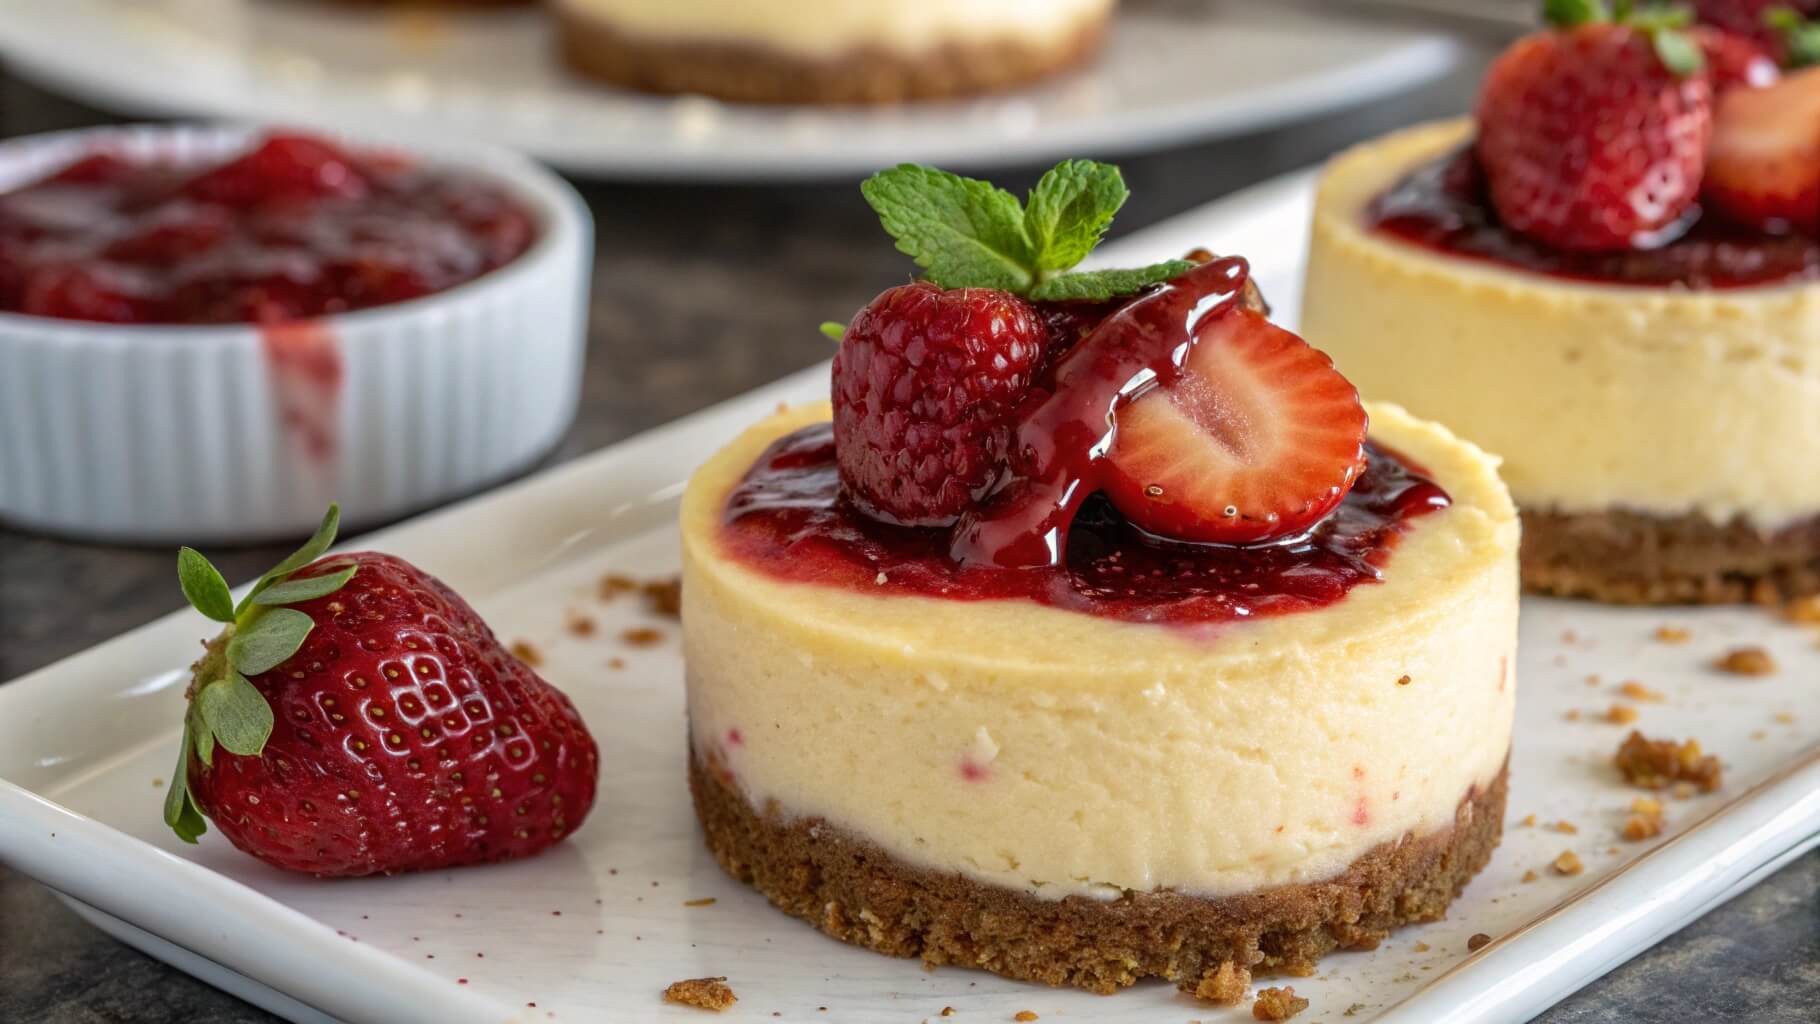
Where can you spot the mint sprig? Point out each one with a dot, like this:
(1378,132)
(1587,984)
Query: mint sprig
(966,233)
(1663,24)
(259,634)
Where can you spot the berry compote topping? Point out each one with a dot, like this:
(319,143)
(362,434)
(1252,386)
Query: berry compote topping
(293,229)
(1443,206)
(788,519)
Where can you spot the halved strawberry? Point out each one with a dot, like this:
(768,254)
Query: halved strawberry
(1258,437)
(1763,166)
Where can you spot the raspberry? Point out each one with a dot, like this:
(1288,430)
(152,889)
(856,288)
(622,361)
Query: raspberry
(925,384)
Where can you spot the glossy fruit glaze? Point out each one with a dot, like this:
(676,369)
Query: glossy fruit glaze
(1443,206)
(292,229)
(787,518)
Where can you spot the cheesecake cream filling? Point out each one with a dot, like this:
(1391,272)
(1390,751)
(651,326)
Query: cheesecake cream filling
(1060,754)
(835,28)
(1664,401)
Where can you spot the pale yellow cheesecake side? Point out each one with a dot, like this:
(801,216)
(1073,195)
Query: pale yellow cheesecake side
(1665,402)
(836,28)
(1110,757)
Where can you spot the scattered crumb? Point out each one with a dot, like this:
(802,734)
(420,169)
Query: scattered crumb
(1639,827)
(616,663)
(523,651)
(1224,985)
(947,1011)
(1621,714)
(1567,864)
(1402,680)
(1479,941)
(1568,636)
(158,783)
(1747,661)
(1646,805)
(1529,821)
(1566,828)
(613,584)
(1353,1009)
(1593,680)
(1572,715)
(1673,634)
(1637,691)
(705,993)
(642,636)
(1422,947)
(1764,593)
(1278,1004)
(664,596)
(1785,717)
(1530,876)
(1656,764)
(705,901)
(1684,790)
(581,625)
(1025,1015)
(1804,610)
(1758,735)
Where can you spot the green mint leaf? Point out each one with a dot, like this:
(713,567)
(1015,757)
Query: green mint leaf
(1568,13)
(180,811)
(203,586)
(1678,52)
(292,591)
(268,640)
(237,714)
(964,233)
(833,330)
(1099,285)
(312,549)
(1069,211)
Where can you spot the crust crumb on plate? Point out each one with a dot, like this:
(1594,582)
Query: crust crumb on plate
(1658,764)
(703,993)
(1224,985)
(1278,1004)
(1747,661)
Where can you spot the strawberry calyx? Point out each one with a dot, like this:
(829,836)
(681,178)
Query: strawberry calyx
(258,634)
(1664,26)
(1800,37)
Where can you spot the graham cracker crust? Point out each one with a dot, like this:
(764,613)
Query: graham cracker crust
(1623,557)
(756,74)
(858,893)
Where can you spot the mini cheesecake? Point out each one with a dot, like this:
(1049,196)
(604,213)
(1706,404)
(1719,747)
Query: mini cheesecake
(828,51)
(1657,410)
(1140,765)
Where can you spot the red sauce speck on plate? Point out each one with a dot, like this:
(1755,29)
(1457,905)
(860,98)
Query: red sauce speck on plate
(293,229)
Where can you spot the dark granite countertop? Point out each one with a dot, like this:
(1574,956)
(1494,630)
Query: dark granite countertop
(699,294)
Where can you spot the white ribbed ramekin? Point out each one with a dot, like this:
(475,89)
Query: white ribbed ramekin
(168,433)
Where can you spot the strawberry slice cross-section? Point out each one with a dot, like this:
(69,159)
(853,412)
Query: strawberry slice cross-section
(1257,437)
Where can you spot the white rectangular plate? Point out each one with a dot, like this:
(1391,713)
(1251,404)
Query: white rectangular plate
(596,928)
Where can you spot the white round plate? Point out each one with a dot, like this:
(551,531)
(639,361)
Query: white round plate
(1174,70)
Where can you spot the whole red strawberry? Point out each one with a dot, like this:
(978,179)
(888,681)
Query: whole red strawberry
(1593,137)
(925,382)
(1756,20)
(1735,60)
(1764,170)
(357,717)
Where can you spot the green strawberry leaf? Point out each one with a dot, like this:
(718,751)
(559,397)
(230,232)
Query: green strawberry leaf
(295,590)
(1800,37)
(963,232)
(1568,13)
(205,737)
(1678,52)
(268,640)
(833,330)
(203,586)
(1099,285)
(237,714)
(1069,211)
(312,549)
(180,811)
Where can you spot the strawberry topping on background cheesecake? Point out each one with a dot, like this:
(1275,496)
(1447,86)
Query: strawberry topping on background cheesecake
(1083,636)
(1610,277)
